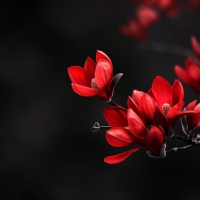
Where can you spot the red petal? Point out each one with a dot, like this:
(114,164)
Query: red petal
(162,91)
(159,119)
(84,91)
(197,107)
(187,113)
(134,107)
(103,73)
(191,117)
(147,106)
(76,75)
(192,70)
(136,125)
(101,55)
(155,140)
(175,110)
(191,105)
(119,137)
(150,92)
(120,157)
(165,4)
(195,46)
(89,70)
(136,96)
(196,120)
(134,30)
(146,17)
(177,92)
(182,75)
(116,116)
(163,132)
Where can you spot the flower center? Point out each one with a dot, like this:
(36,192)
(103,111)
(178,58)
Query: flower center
(165,108)
(94,85)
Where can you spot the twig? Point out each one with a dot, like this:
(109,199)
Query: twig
(175,149)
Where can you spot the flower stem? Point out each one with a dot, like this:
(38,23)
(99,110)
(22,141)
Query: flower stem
(112,103)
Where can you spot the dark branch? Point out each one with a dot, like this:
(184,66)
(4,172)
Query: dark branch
(175,149)
(97,127)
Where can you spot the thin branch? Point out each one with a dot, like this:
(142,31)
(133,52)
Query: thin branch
(112,103)
(175,149)
(181,138)
(97,127)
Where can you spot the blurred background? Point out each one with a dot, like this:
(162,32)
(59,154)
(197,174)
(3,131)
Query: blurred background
(47,149)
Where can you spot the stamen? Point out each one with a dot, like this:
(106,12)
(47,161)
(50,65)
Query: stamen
(165,108)
(94,85)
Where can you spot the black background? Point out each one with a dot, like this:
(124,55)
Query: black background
(47,149)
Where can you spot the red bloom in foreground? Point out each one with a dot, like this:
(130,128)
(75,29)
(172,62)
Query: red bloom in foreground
(195,46)
(128,129)
(190,75)
(138,29)
(94,78)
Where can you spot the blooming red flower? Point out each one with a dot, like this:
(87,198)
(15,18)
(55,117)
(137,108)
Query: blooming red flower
(196,47)
(169,101)
(127,129)
(94,78)
(190,75)
(138,29)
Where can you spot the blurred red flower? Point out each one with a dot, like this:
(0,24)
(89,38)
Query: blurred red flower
(138,29)
(170,7)
(190,75)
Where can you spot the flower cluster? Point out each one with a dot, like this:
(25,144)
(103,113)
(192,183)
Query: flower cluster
(149,12)
(149,116)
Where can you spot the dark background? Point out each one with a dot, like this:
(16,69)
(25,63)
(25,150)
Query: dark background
(47,149)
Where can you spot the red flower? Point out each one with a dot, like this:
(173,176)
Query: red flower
(169,100)
(191,74)
(129,128)
(196,47)
(193,121)
(138,29)
(94,78)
